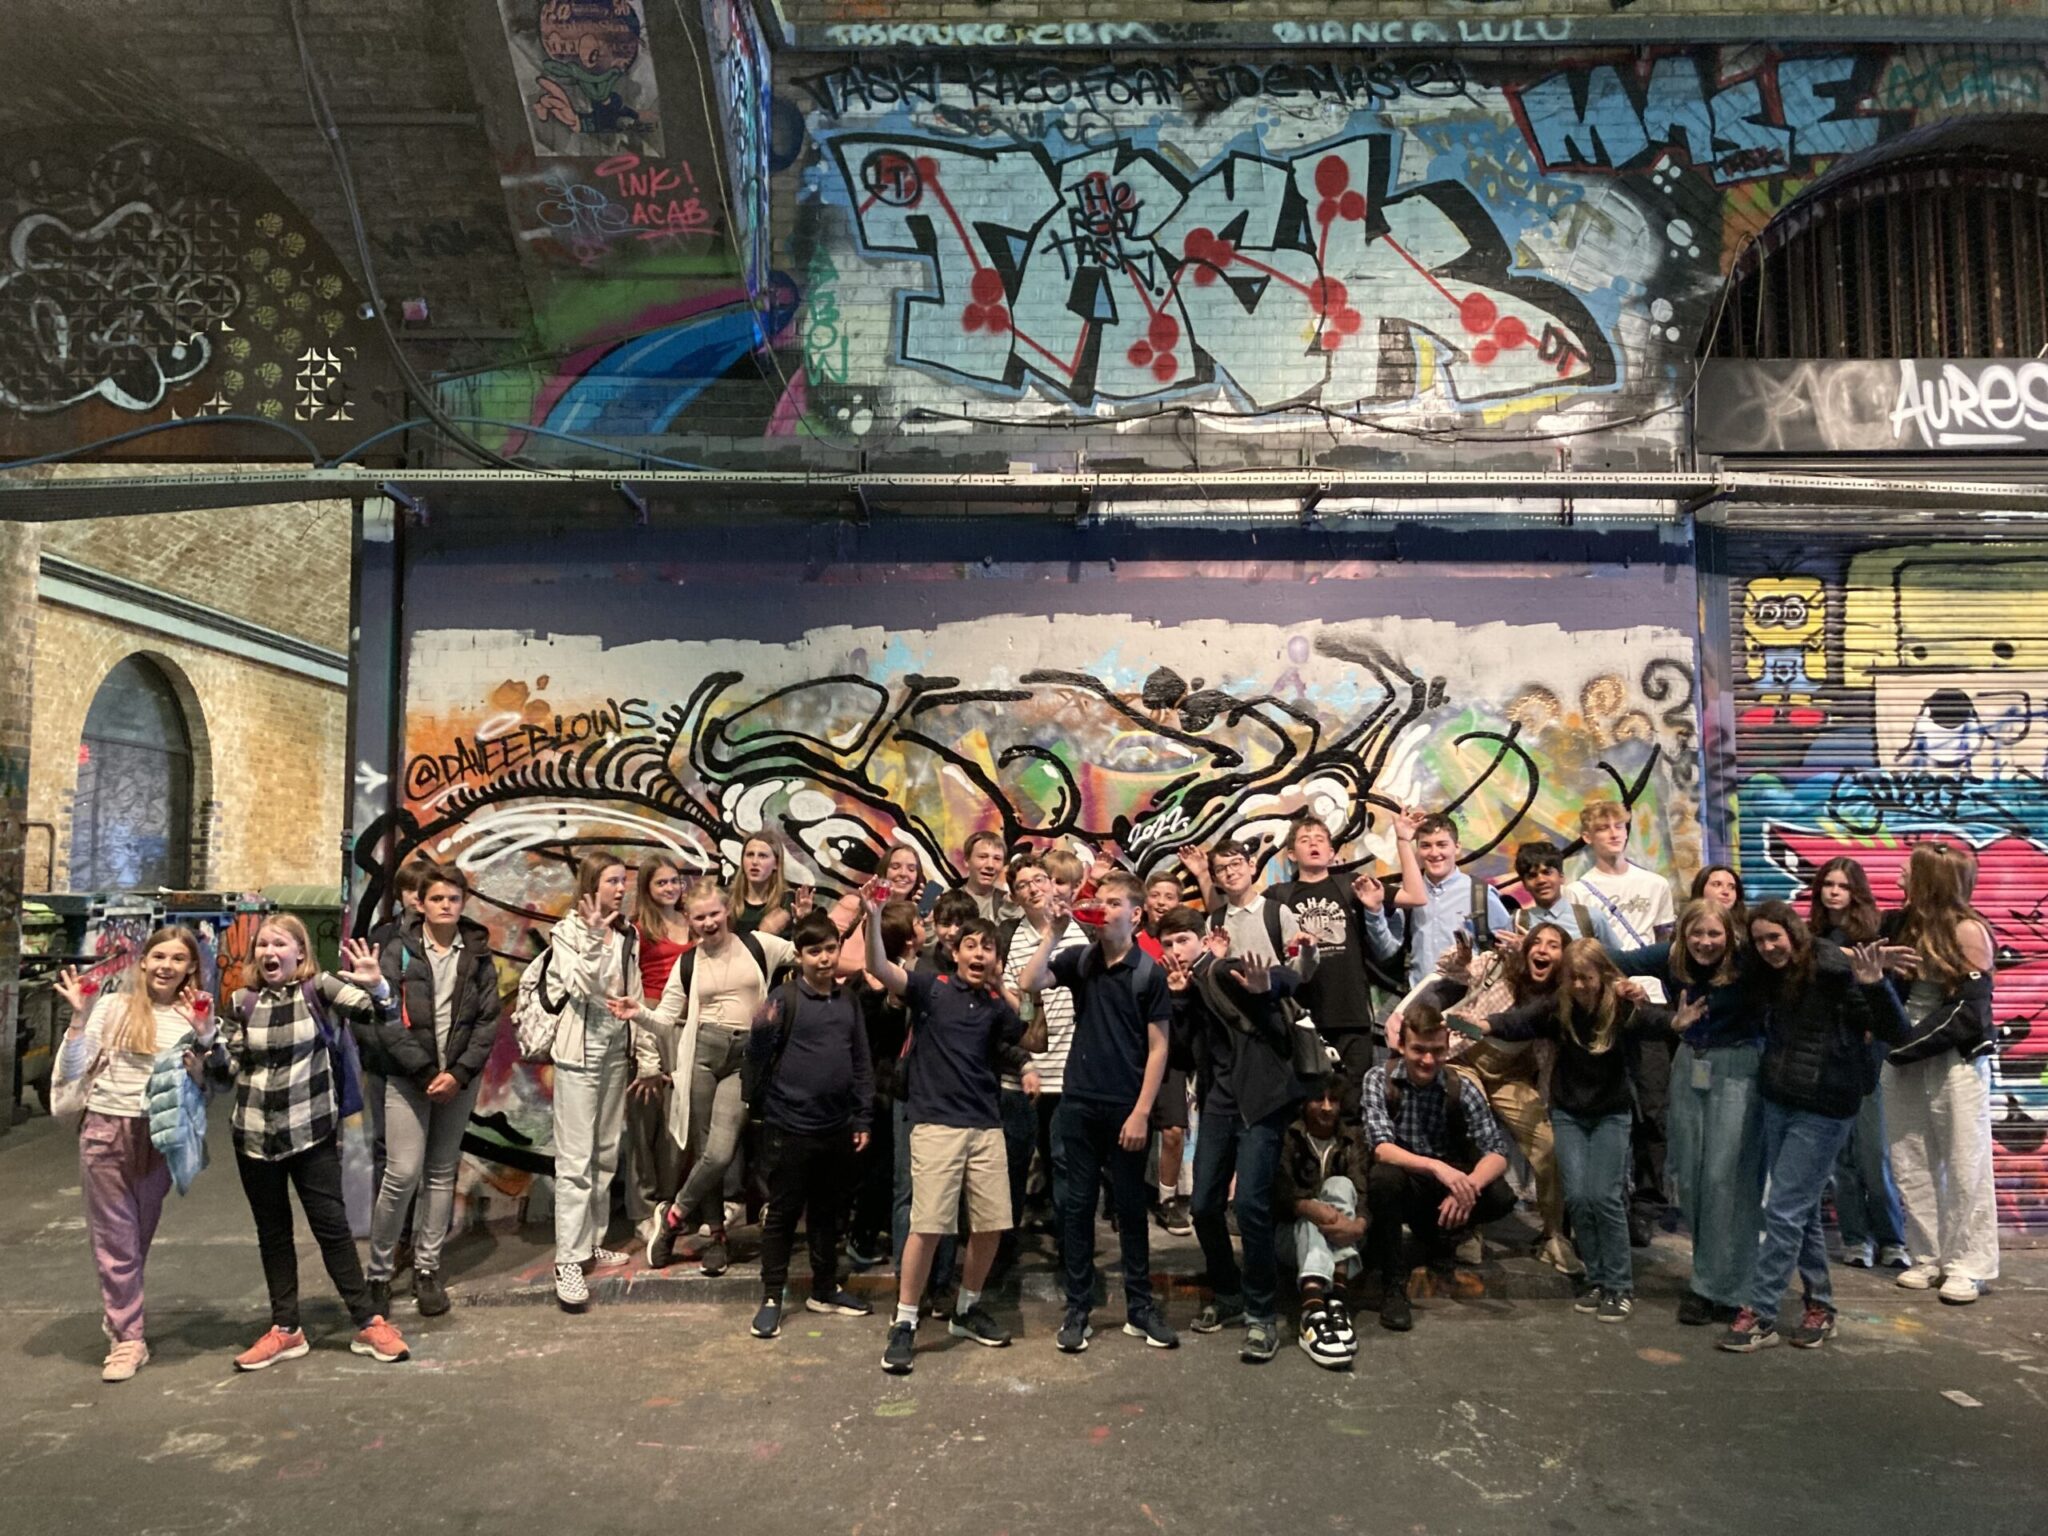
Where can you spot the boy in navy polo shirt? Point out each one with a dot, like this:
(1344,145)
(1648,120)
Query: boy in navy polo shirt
(1121,1012)
(963,1035)
(816,1106)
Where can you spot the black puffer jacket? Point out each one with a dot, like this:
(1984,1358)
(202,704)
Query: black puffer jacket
(1815,1033)
(407,1046)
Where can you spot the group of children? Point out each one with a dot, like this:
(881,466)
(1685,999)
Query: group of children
(906,1070)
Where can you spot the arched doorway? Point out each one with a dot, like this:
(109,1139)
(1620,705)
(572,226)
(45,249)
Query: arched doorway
(131,820)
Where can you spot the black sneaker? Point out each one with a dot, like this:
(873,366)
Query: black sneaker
(661,1242)
(866,1252)
(977,1324)
(898,1359)
(1749,1333)
(768,1321)
(1261,1343)
(429,1292)
(1074,1332)
(1172,1216)
(1151,1327)
(1587,1301)
(1638,1228)
(380,1298)
(838,1303)
(1340,1321)
(1694,1310)
(1396,1315)
(1815,1327)
(1616,1306)
(717,1259)
(1224,1312)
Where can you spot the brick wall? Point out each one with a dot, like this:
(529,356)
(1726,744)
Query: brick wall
(17,682)
(269,751)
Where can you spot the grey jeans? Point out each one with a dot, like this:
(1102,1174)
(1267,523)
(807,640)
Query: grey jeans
(716,1119)
(422,1149)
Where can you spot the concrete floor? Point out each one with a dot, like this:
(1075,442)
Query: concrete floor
(1510,1415)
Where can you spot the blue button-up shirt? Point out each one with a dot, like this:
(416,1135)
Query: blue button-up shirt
(1434,927)
(1566,918)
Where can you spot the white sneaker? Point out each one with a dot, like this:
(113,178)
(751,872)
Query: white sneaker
(1959,1290)
(1921,1277)
(1472,1250)
(571,1289)
(1894,1256)
(1558,1253)
(126,1358)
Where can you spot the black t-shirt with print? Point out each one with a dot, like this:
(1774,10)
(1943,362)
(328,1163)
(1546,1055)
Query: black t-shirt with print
(1338,997)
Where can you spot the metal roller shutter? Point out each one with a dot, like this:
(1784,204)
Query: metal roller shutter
(1889,690)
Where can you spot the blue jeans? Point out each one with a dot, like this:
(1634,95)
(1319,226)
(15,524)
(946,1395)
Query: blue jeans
(1088,1129)
(1866,1199)
(946,1263)
(1315,1259)
(1226,1146)
(1714,1160)
(1799,1153)
(1592,1162)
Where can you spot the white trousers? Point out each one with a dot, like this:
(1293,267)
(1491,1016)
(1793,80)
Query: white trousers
(1937,1117)
(590,1114)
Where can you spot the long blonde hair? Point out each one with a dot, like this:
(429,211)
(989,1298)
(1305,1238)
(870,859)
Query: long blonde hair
(137,1033)
(1587,957)
(778,887)
(1938,881)
(1682,965)
(294,930)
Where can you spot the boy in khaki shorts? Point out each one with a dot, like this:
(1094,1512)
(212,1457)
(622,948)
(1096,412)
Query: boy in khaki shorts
(963,1035)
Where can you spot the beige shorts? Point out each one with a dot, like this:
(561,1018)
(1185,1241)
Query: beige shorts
(944,1160)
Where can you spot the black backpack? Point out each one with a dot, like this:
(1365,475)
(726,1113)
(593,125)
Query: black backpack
(686,967)
(757,1072)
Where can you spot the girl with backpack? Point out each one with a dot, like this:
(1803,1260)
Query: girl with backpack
(1589,1015)
(708,1007)
(1714,1159)
(1820,1007)
(133,1069)
(294,1072)
(430,1065)
(1937,1082)
(594,964)
(1843,908)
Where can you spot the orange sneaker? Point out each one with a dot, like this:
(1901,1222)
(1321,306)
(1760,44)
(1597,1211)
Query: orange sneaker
(381,1341)
(278,1344)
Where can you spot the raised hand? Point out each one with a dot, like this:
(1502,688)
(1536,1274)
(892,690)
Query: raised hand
(802,899)
(364,968)
(1689,1013)
(1406,820)
(1177,979)
(1370,890)
(75,990)
(621,1008)
(1632,990)
(590,912)
(1257,979)
(1217,942)
(1900,959)
(1194,859)
(1866,964)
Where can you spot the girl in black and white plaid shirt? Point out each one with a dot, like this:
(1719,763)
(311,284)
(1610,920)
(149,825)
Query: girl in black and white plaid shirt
(280,1050)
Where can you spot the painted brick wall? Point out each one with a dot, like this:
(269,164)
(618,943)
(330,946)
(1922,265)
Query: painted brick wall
(1427,257)
(269,751)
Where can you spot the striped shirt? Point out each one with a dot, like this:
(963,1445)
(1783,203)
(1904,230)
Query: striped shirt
(1057,1002)
(283,1073)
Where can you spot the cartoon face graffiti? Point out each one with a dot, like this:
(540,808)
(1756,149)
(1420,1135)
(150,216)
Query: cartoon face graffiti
(591,45)
(1784,642)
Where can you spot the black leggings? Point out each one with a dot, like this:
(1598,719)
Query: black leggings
(316,1174)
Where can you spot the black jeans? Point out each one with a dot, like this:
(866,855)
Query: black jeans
(1355,1053)
(1088,1131)
(874,1180)
(1396,1195)
(1649,1070)
(316,1174)
(807,1177)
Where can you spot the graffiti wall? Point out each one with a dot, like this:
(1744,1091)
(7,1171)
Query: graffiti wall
(860,701)
(144,279)
(586,77)
(1405,243)
(1888,694)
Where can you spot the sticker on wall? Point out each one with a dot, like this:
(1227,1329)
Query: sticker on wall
(586,77)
